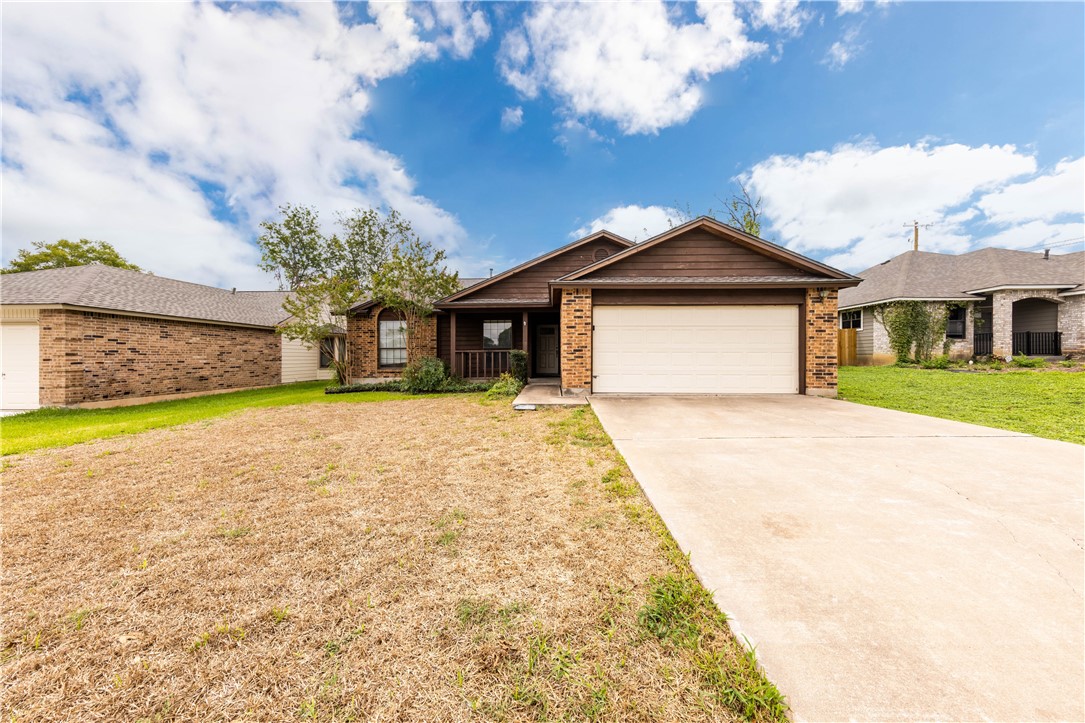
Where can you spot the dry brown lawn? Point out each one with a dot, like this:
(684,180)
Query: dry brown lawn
(434,559)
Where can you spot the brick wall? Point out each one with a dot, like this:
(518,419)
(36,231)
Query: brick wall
(363,338)
(92,357)
(576,338)
(1072,325)
(821,324)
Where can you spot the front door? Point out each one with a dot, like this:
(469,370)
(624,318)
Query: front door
(546,349)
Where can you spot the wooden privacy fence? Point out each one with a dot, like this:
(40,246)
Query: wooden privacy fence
(846,355)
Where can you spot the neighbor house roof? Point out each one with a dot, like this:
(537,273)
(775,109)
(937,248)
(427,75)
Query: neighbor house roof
(108,289)
(932,276)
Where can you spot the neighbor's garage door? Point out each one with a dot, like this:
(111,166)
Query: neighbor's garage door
(18,366)
(696,349)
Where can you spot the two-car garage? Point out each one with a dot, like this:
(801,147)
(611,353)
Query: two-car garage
(722,349)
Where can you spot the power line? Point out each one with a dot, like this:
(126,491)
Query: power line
(1055,244)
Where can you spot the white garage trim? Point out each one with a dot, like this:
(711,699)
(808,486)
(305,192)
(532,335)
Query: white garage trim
(695,349)
(19,366)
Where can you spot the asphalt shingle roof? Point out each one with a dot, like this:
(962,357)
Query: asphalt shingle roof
(112,289)
(926,275)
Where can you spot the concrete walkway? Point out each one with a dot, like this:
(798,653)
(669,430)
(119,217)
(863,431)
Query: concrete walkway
(546,394)
(887,566)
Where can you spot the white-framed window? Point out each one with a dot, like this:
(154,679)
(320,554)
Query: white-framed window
(392,343)
(497,334)
(851,319)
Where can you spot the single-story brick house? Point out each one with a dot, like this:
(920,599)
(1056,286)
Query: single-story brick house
(702,308)
(1000,302)
(97,335)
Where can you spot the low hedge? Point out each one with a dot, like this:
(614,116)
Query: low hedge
(450,386)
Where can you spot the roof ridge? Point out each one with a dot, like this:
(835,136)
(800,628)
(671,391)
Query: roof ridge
(86,274)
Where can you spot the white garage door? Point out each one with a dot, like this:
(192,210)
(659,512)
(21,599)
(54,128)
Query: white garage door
(696,349)
(18,366)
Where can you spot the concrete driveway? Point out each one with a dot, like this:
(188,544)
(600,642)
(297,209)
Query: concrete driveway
(887,566)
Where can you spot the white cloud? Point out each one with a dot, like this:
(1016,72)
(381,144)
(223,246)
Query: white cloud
(1045,197)
(843,7)
(851,204)
(116,118)
(636,223)
(512,118)
(785,16)
(635,64)
(843,51)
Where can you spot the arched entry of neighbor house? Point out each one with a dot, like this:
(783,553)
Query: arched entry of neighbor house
(1036,327)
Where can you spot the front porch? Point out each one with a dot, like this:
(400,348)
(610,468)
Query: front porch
(1019,322)
(479,344)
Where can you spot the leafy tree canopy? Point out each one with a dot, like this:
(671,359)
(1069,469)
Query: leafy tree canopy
(373,255)
(64,253)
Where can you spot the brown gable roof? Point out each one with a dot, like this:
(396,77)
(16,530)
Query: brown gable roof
(112,289)
(731,250)
(497,287)
(927,275)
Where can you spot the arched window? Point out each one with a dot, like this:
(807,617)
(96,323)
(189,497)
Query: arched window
(391,341)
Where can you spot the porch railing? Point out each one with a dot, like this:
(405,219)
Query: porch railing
(481,363)
(982,344)
(1037,343)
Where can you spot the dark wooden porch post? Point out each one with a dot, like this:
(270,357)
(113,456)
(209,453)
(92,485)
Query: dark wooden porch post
(452,342)
(524,345)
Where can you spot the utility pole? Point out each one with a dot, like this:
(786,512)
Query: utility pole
(915,237)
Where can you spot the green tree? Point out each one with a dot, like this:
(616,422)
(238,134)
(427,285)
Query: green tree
(327,274)
(411,280)
(64,253)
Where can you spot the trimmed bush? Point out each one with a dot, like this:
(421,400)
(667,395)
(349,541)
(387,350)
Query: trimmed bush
(518,365)
(506,386)
(424,375)
(451,385)
(937,362)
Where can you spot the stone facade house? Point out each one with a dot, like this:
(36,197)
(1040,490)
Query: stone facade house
(1000,302)
(702,308)
(99,336)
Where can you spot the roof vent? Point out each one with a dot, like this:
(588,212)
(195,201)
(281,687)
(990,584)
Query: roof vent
(1047,254)
(600,254)
(233,290)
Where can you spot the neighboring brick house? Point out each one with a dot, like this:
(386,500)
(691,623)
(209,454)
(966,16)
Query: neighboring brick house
(998,301)
(702,308)
(97,335)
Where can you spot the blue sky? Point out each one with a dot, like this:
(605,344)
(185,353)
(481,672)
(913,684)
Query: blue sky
(503,130)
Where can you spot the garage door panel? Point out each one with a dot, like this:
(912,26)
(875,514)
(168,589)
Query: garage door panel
(19,366)
(697,349)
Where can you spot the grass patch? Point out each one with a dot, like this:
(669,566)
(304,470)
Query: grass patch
(532,611)
(1047,404)
(62,427)
(579,427)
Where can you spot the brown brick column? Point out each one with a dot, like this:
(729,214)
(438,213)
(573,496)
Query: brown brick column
(821,331)
(576,338)
(60,362)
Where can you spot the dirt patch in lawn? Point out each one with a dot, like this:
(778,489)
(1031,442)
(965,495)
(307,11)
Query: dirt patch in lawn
(426,560)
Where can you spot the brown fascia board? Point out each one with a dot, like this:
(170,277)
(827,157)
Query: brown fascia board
(490,305)
(814,283)
(767,247)
(538,259)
